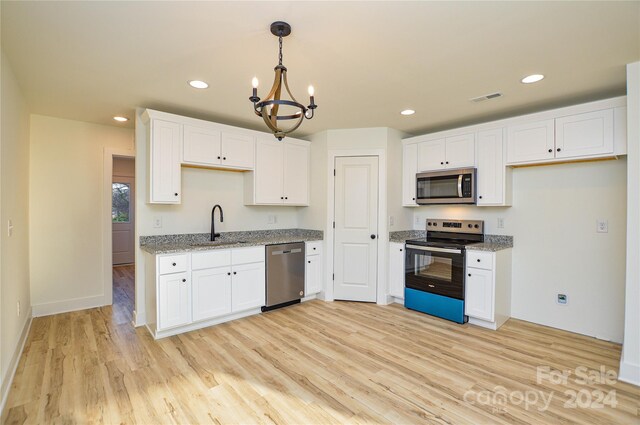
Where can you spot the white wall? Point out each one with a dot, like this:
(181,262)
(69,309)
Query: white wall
(14,206)
(630,362)
(66,198)
(556,247)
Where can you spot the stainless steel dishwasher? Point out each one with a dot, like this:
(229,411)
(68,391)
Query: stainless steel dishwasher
(285,274)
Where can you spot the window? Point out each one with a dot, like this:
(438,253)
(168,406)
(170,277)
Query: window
(120,194)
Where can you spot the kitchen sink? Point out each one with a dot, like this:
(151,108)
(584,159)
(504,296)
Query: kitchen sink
(217,243)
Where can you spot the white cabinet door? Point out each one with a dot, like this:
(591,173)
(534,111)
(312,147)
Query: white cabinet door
(409,170)
(296,173)
(238,150)
(312,275)
(269,173)
(174,300)
(247,286)
(201,146)
(460,151)
(164,162)
(479,294)
(396,269)
(584,134)
(211,292)
(491,168)
(530,142)
(431,155)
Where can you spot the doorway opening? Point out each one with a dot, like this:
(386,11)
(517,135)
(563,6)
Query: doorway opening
(123,238)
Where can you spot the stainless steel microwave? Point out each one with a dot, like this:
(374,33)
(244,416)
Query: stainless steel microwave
(446,187)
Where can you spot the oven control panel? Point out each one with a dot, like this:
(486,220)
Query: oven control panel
(455,226)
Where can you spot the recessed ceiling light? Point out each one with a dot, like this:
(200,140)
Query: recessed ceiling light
(197,84)
(533,78)
(408,112)
(121,119)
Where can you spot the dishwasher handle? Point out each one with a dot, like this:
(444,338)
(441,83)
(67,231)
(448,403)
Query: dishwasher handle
(287,251)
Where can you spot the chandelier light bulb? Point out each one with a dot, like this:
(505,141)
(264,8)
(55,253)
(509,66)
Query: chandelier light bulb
(311,91)
(254,82)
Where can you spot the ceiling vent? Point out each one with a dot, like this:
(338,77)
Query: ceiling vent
(486,97)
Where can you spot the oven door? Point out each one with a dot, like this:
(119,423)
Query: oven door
(435,270)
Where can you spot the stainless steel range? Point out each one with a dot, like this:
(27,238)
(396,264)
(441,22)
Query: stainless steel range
(434,272)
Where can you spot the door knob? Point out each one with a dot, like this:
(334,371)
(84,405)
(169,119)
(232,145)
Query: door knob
(373,236)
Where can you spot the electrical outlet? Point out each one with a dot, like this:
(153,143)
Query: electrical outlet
(271,219)
(390,221)
(562,299)
(157,222)
(275,219)
(18,308)
(602,226)
(9,228)
(500,223)
(417,219)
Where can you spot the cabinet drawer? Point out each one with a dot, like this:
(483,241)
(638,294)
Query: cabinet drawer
(480,260)
(313,248)
(254,254)
(173,263)
(209,259)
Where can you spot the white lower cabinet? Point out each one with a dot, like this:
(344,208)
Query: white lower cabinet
(211,290)
(193,290)
(487,299)
(396,269)
(174,300)
(247,286)
(313,268)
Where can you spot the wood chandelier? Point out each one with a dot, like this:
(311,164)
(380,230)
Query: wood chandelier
(269,108)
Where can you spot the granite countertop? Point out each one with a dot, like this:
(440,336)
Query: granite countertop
(491,243)
(167,244)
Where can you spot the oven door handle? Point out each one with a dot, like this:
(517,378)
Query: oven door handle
(460,186)
(434,249)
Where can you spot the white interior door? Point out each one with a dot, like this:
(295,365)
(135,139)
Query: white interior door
(356,228)
(122,216)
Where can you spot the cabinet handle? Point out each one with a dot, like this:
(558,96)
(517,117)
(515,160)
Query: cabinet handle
(173,264)
(550,150)
(558,149)
(469,275)
(184,280)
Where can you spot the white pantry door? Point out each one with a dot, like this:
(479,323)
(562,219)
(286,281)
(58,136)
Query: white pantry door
(356,228)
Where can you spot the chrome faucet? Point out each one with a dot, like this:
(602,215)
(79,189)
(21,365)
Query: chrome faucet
(214,235)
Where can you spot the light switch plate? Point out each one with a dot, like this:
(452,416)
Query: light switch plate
(500,223)
(157,222)
(9,228)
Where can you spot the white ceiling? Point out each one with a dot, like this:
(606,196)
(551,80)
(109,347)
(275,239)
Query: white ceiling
(368,60)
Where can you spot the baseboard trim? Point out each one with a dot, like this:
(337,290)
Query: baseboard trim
(629,373)
(15,359)
(47,309)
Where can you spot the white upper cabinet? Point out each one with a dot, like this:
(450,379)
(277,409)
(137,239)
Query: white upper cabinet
(584,134)
(409,170)
(201,146)
(165,145)
(281,175)
(493,178)
(530,142)
(208,146)
(450,152)
(237,150)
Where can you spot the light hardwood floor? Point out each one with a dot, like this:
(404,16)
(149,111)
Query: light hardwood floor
(311,363)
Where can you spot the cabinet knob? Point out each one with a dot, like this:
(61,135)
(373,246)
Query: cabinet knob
(400,249)
(286,197)
(413,199)
(234,273)
(314,248)
(309,261)
(218,157)
(173,264)
(558,149)
(469,275)
(480,196)
(441,162)
(282,197)
(478,260)
(447,162)
(228,273)
(184,280)
(550,150)
(224,158)
(373,236)
(175,194)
